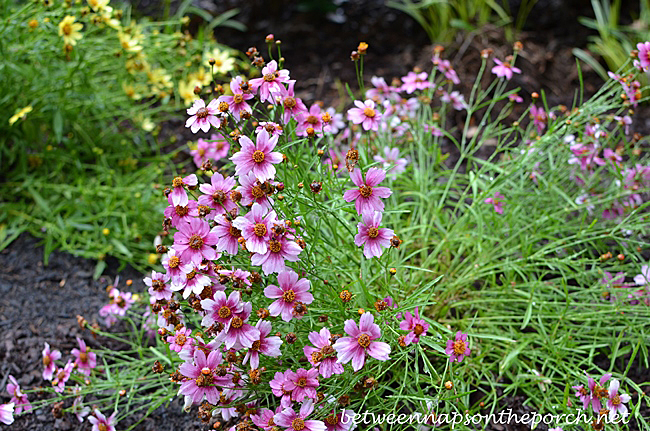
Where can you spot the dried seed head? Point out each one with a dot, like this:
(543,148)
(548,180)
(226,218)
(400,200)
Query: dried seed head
(354,56)
(316,187)
(291,338)
(158,367)
(345,296)
(381,305)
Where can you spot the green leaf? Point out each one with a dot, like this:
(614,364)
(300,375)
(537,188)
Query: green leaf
(57,125)
(99,269)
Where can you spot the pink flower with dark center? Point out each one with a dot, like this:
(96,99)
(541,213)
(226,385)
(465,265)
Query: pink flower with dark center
(257,158)
(118,303)
(181,214)
(217,194)
(312,118)
(504,69)
(415,81)
(251,191)
(539,117)
(382,90)
(238,277)
(586,155)
(279,250)
(335,124)
(17,397)
(238,333)
(615,402)
(221,308)
(201,380)
(204,151)
(194,240)
(84,358)
(270,84)
(278,387)
(7,413)
(159,286)
(323,356)
(361,342)
(290,291)
(644,54)
(101,422)
(292,421)
(182,339)
(255,227)
(61,376)
(392,162)
(48,361)
(264,418)
(416,325)
(302,383)
(293,106)
(178,194)
(269,346)
(456,99)
(367,196)
(458,348)
(445,67)
(201,116)
(371,236)
(237,102)
(496,201)
(597,391)
(515,98)
(583,394)
(365,114)
(341,421)
(644,277)
(273,129)
(227,234)
(175,268)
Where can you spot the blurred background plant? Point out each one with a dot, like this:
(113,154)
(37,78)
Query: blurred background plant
(85,87)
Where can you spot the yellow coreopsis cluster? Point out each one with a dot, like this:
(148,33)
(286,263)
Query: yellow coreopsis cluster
(69,29)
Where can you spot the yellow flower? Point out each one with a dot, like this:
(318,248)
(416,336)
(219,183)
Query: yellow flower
(70,30)
(100,5)
(129,43)
(33,24)
(160,78)
(21,113)
(186,91)
(132,91)
(201,76)
(224,63)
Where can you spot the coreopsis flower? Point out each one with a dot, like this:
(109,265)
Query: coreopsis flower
(217,195)
(293,106)
(445,67)
(182,339)
(496,202)
(257,158)
(255,227)
(291,290)
(118,303)
(85,360)
(336,122)
(302,383)
(221,308)
(292,421)
(392,162)
(371,236)
(49,356)
(270,84)
(201,378)
(415,81)
(539,117)
(20,114)
(586,155)
(238,333)
(61,376)
(625,122)
(192,282)
(280,249)
(644,55)
(365,114)
(180,214)
(341,421)
(615,402)
(159,286)
(7,413)
(69,30)
(278,387)
(101,422)
(202,116)
(204,151)
(223,61)
(178,193)
(186,91)
(367,197)
(264,418)
(458,348)
(415,325)
(194,240)
(18,398)
(456,99)
(515,98)
(361,342)
(504,69)
(80,412)
(644,277)
(228,235)
(583,394)
(273,129)
(252,192)
(313,118)
(269,346)
(323,356)
(382,90)
(175,267)
(237,102)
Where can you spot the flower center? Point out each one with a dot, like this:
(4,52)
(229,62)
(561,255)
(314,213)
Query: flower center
(289,102)
(102,427)
(236,322)
(191,275)
(616,401)
(177,182)
(258,156)
(260,229)
(332,420)
(46,360)
(83,357)
(174,262)
(316,357)
(312,119)
(61,375)
(369,112)
(302,382)
(196,242)
(204,379)
(181,211)
(327,350)
(202,113)
(365,190)
(269,77)
(459,347)
(257,192)
(218,196)
(364,340)
(373,232)
(419,329)
(256,345)
(271,422)
(235,232)
(181,339)
(270,128)
(224,312)
(289,295)
(223,107)
(275,246)
(298,424)
(157,285)
(238,98)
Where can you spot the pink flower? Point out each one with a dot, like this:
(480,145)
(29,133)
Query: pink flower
(336,122)
(644,277)
(341,421)
(292,421)
(583,394)
(238,333)
(61,376)
(392,162)
(312,118)
(264,418)
(504,69)
(279,250)
(201,116)
(119,302)
(457,349)
(293,106)
(258,158)
(367,196)
(17,397)
(237,102)
(178,194)
(302,383)
(415,325)
(415,81)
(445,67)
(182,339)
(204,151)
(158,285)
(181,214)
(251,191)
(255,227)
(48,361)
(201,380)
(514,97)
(175,268)
(323,356)
(269,346)
(455,98)
(273,129)
(365,114)
(278,387)
(270,84)
(7,413)
(84,358)
(221,308)
(644,54)
(625,121)
(101,422)
(217,194)
(361,341)
(194,240)
(539,117)
(228,235)
(615,402)
(496,202)
(290,291)
(371,236)
(586,155)
(382,91)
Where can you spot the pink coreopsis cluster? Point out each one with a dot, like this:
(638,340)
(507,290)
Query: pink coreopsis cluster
(599,397)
